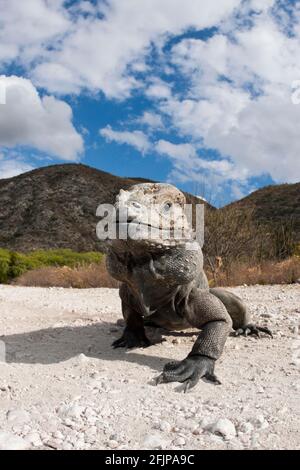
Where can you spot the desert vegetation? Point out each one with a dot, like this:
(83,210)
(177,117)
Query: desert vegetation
(15,264)
(80,277)
(239,249)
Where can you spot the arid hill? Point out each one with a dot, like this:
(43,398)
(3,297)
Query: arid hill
(55,207)
(271,205)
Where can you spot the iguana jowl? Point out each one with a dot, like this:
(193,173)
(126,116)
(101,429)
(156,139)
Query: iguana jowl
(163,282)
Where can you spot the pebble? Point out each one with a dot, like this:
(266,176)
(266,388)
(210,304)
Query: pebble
(34,439)
(225,427)
(164,426)
(180,441)
(206,423)
(260,422)
(154,441)
(18,416)
(235,444)
(246,428)
(9,441)
(72,411)
(112,444)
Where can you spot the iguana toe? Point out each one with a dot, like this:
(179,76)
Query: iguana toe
(252,329)
(131,340)
(189,371)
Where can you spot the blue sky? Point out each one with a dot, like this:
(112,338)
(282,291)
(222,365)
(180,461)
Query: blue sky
(199,93)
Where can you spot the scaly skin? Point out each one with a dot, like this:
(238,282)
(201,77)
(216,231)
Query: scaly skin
(163,283)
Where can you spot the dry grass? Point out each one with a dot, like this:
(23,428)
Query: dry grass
(268,272)
(83,277)
(95,275)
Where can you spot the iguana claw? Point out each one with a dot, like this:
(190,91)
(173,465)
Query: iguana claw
(252,329)
(188,372)
(130,339)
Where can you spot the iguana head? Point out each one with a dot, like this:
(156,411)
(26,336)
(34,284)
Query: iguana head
(151,215)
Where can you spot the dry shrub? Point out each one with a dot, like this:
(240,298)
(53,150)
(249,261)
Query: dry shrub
(96,275)
(238,239)
(82,277)
(267,272)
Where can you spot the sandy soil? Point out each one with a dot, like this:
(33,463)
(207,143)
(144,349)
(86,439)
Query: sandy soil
(62,386)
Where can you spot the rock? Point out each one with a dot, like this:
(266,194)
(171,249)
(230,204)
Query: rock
(112,444)
(67,446)
(71,411)
(235,444)
(176,341)
(260,422)
(164,426)
(246,428)
(180,441)
(225,428)
(197,431)
(17,417)
(34,439)
(9,441)
(58,435)
(154,441)
(206,423)
(82,358)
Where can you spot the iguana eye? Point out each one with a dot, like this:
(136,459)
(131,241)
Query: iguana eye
(166,207)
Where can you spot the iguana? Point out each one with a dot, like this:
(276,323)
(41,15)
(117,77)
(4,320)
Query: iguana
(163,282)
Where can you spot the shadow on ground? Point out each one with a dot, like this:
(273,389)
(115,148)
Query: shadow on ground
(54,345)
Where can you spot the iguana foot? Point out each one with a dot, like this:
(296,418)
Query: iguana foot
(131,339)
(252,329)
(189,371)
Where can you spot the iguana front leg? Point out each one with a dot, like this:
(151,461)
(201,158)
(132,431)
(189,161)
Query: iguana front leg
(205,311)
(134,335)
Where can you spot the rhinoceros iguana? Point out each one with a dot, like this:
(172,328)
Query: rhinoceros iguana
(163,282)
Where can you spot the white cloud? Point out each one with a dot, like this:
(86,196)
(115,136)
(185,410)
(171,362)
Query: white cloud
(213,177)
(177,152)
(230,93)
(190,164)
(136,139)
(44,123)
(238,97)
(151,120)
(27,28)
(96,46)
(158,89)
(10,167)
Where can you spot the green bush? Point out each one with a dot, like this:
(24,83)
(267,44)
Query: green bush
(4,265)
(14,264)
(297,250)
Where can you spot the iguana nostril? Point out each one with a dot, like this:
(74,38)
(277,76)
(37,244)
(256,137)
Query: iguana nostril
(136,205)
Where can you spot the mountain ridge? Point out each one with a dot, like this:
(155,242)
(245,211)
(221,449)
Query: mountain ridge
(55,206)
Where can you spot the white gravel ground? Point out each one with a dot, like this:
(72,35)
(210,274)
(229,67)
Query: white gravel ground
(63,387)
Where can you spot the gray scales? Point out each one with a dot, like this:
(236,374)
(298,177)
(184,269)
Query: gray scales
(163,282)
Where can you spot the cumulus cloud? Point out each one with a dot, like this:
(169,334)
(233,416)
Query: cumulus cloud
(152,120)
(136,139)
(177,152)
(45,123)
(229,91)
(96,45)
(27,28)
(188,161)
(13,165)
(238,96)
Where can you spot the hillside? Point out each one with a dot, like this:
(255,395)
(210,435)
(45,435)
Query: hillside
(55,206)
(274,204)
